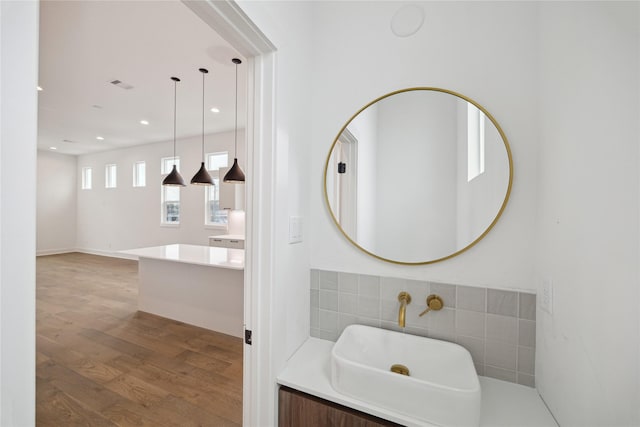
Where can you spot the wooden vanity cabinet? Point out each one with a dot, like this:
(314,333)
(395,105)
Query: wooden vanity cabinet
(297,409)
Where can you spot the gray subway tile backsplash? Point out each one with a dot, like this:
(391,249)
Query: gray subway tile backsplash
(328,280)
(315,279)
(369,286)
(501,355)
(473,299)
(502,328)
(447,292)
(347,303)
(526,360)
(470,323)
(496,326)
(528,380)
(501,302)
(348,283)
(368,306)
(329,300)
(500,374)
(527,333)
(527,306)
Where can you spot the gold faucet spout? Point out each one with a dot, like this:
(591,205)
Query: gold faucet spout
(404,298)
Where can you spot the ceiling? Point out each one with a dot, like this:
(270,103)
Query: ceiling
(84,45)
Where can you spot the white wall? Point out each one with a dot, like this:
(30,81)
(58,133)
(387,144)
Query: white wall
(587,230)
(486,51)
(420,209)
(480,199)
(56,205)
(288,25)
(113,219)
(18,125)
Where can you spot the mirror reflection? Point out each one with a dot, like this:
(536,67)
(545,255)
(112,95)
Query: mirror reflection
(418,176)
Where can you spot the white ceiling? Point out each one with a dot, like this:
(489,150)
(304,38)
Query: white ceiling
(84,45)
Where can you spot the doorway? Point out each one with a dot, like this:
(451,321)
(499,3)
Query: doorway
(254,44)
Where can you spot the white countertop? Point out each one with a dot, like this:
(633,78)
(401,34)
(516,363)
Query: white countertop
(228,237)
(504,404)
(193,254)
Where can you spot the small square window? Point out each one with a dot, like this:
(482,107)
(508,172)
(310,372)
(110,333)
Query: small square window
(110,176)
(216,161)
(167,164)
(86,178)
(139,174)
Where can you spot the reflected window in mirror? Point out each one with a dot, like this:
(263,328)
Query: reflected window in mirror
(475,142)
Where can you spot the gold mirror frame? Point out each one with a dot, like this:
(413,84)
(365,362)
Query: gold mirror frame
(473,243)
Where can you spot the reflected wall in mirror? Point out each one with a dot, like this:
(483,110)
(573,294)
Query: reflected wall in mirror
(418,176)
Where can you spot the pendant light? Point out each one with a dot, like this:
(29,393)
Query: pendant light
(235,174)
(174,178)
(202,177)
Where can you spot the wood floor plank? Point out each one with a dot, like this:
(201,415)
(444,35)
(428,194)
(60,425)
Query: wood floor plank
(136,390)
(100,362)
(57,408)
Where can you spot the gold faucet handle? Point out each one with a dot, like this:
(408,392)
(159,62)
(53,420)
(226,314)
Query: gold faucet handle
(434,302)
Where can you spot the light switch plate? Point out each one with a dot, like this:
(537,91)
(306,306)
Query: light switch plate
(295,229)
(546,297)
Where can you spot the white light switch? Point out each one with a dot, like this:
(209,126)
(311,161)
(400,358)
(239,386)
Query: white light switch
(546,298)
(295,229)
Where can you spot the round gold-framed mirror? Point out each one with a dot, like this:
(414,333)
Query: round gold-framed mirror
(418,175)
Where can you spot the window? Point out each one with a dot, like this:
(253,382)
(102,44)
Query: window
(475,142)
(216,161)
(86,178)
(139,174)
(110,176)
(170,205)
(170,195)
(213,214)
(167,164)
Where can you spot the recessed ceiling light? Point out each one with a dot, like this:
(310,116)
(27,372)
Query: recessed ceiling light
(215,110)
(40,88)
(100,138)
(144,122)
(53,148)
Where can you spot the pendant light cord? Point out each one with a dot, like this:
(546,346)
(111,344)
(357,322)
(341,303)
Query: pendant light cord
(202,116)
(175,103)
(236,122)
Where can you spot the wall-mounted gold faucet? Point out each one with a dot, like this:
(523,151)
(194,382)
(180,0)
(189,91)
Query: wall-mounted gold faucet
(434,302)
(404,298)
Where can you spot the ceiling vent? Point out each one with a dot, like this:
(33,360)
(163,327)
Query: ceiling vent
(121,84)
(69,141)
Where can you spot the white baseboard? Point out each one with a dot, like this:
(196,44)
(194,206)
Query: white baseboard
(112,254)
(45,252)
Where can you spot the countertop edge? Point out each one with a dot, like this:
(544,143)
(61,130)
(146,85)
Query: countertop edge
(150,253)
(504,404)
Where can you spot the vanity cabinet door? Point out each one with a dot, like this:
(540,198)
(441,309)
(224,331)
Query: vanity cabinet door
(297,409)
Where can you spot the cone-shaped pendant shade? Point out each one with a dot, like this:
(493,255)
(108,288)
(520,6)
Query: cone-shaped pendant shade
(174,178)
(202,177)
(235,174)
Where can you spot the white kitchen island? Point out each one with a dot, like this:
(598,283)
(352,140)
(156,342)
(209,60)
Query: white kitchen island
(199,285)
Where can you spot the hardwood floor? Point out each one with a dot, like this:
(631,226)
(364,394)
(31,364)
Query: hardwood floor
(99,362)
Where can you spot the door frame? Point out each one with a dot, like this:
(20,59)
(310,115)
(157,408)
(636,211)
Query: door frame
(229,20)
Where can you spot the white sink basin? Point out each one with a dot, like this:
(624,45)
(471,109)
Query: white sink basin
(442,389)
